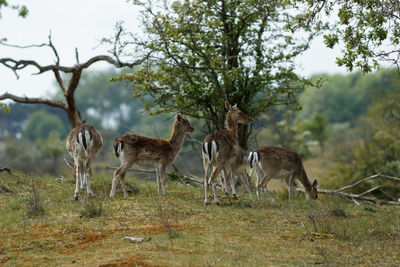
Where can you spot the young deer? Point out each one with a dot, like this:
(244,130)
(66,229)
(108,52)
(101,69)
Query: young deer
(149,152)
(221,148)
(83,144)
(280,163)
(238,170)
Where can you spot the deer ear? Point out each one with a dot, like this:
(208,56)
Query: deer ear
(178,117)
(315,183)
(228,106)
(235,106)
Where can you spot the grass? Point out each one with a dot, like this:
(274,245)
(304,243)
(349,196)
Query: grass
(183,232)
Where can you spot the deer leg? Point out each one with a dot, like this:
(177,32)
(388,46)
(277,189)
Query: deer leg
(246,179)
(87,178)
(163,168)
(289,184)
(264,182)
(206,171)
(225,176)
(76,193)
(259,174)
(158,178)
(123,185)
(233,184)
(214,175)
(117,174)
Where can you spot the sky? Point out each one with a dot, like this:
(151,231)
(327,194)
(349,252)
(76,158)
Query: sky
(82,24)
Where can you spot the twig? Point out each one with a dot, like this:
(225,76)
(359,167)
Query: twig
(312,219)
(132,170)
(5,169)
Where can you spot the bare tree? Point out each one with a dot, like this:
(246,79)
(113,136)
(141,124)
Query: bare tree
(69,105)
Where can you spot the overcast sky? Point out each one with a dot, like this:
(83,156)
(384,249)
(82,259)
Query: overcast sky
(82,24)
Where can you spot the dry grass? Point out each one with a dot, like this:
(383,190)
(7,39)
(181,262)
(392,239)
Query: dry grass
(183,232)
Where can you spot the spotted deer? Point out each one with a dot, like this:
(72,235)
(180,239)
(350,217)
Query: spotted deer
(149,152)
(280,163)
(83,144)
(220,149)
(238,170)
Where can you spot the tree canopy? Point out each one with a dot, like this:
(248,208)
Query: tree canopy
(206,52)
(369,30)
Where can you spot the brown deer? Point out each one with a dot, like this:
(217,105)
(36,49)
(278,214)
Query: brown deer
(149,152)
(238,170)
(83,144)
(220,149)
(280,163)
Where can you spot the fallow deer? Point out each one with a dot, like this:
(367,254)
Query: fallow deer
(83,144)
(149,152)
(280,163)
(238,170)
(220,149)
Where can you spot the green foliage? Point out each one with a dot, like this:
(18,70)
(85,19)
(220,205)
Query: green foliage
(44,156)
(318,129)
(42,124)
(374,148)
(34,203)
(343,98)
(92,208)
(5,107)
(368,30)
(207,52)
(22,10)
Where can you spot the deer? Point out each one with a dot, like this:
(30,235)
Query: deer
(83,143)
(156,153)
(238,170)
(220,150)
(280,163)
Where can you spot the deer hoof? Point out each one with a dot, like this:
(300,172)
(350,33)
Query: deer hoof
(76,197)
(206,203)
(235,197)
(218,203)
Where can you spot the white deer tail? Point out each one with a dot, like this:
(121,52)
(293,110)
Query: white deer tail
(253,159)
(85,140)
(211,150)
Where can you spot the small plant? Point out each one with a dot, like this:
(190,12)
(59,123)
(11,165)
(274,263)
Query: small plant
(92,208)
(34,205)
(337,210)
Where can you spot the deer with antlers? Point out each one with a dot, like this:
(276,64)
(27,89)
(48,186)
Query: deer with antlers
(221,148)
(280,163)
(149,152)
(83,144)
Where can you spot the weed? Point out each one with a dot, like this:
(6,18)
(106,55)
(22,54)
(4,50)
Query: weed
(92,208)
(34,204)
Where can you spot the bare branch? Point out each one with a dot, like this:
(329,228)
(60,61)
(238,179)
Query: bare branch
(28,100)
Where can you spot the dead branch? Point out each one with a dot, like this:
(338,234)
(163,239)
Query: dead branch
(5,169)
(132,170)
(68,90)
(361,196)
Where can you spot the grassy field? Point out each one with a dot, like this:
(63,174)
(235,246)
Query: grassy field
(42,225)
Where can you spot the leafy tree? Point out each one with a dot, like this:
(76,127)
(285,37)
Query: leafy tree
(22,10)
(318,129)
(42,124)
(369,30)
(206,52)
(375,146)
(343,98)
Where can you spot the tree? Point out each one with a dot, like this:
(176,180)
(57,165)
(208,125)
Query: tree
(206,52)
(369,30)
(42,124)
(318,129)
(22,10)
(74,72)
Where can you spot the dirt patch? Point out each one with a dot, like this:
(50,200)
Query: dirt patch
(130,261)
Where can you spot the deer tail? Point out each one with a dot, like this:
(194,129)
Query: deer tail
(118,145)
(211,150)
